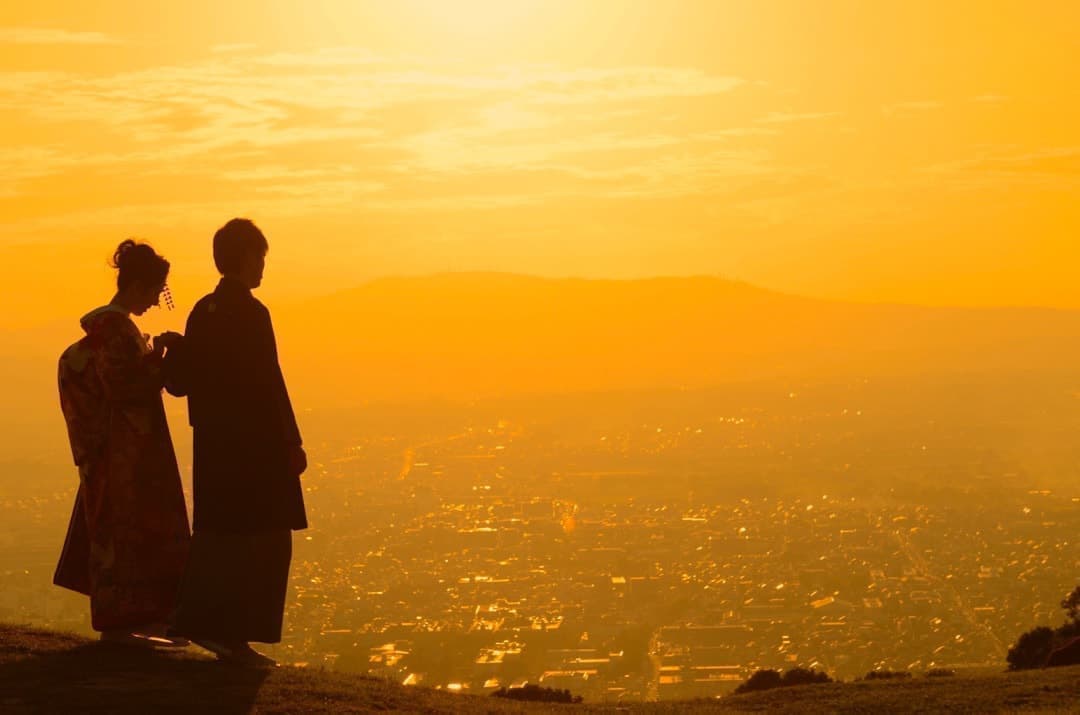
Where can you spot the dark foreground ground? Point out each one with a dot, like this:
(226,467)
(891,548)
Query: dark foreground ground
(46,672)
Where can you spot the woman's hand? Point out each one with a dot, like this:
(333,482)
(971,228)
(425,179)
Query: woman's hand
(166,341)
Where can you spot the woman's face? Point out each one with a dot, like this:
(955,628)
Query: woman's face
(146,296)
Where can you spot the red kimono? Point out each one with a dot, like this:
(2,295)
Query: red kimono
(127,543)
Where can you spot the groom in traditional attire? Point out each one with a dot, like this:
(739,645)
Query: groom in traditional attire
(248,459)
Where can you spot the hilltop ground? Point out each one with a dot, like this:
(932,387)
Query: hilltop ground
(42,671)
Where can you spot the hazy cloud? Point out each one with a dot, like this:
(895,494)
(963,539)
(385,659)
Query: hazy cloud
(1052,166)
(786,117)
(51,36)
(910,107)
(285,124)
(233,47)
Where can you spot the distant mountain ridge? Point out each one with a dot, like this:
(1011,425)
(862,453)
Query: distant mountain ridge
(486,334)
(480,335)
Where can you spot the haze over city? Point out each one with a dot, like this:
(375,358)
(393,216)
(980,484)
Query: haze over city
(636,346)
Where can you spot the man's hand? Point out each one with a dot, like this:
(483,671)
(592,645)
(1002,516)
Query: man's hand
(297,461)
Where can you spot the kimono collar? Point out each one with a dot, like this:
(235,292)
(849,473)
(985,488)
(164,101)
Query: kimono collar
(89,318)
(231,286)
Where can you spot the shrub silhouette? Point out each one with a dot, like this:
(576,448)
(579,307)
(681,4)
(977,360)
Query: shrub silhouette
(1044,646)
(887,675)
(761,680)
(537,693)
(769,679)
(1031,649)
(1065,654)
(940,673)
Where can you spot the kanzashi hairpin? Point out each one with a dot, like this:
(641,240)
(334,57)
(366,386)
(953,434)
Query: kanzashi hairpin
(167,295)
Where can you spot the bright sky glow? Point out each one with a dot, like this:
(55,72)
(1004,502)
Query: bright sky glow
(921,152)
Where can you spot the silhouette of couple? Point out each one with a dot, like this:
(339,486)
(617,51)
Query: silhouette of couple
(150,580)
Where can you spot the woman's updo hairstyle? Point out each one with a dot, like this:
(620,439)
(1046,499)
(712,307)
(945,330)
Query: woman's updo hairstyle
(138,263)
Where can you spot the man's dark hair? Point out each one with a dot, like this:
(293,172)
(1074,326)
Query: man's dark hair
(234,241)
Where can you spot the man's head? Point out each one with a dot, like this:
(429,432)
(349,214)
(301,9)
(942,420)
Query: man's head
(240,251)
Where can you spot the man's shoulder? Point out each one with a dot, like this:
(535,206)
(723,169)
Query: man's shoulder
(211,301)
(204,306)
(250,306)
(203,302)
(229,307)
(259,307)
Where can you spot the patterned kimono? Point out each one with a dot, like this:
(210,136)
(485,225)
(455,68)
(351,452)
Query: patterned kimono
(128,540)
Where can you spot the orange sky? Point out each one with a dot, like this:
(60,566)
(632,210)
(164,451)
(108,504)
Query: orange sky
(910,151)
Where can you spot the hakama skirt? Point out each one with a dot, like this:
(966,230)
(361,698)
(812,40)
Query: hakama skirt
(235,585)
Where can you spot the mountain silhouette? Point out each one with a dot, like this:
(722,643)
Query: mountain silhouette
(485,334)
(478,335)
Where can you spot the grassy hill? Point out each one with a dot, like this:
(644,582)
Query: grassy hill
(47,672)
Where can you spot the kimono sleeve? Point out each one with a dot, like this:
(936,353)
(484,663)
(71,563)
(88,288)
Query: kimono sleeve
(177,369)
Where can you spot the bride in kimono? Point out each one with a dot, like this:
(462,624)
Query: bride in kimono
(128,540)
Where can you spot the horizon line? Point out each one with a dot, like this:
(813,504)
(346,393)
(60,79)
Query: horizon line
(428,275)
